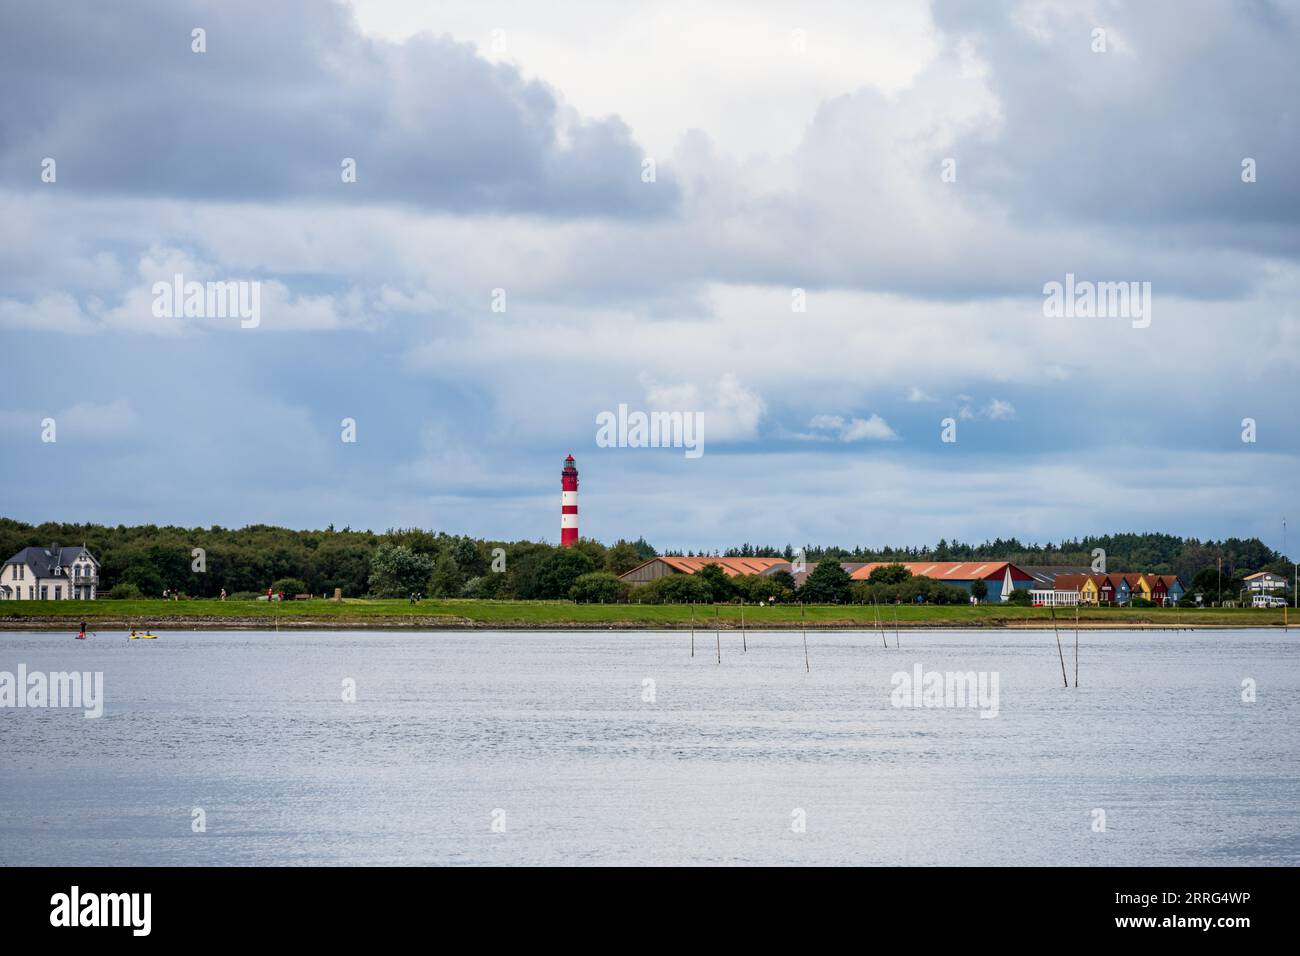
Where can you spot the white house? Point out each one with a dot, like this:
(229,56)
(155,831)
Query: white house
(1265,582)
(50,574)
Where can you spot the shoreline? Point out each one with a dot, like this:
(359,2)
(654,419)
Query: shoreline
(439,623)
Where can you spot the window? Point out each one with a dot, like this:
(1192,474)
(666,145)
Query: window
(58,591)
(44,592)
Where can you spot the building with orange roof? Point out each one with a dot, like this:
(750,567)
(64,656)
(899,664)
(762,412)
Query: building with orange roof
(1001,577)
(657,568)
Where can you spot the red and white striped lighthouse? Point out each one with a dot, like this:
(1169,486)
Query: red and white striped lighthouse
(569,504)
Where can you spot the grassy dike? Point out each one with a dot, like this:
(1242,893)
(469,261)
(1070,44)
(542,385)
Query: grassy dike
(557,615)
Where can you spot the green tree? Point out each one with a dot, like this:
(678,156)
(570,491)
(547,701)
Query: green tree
(889,574)
(716,580)
(680,589)
(979,590)
(828,583)
(622,557)
(145,578)
(784,581)
(289,586)
(396,571)
(559,570)
(446,579)
(598,587)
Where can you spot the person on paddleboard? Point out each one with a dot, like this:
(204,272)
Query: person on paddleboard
(81,635)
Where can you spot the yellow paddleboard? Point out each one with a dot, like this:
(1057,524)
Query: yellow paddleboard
(142,637)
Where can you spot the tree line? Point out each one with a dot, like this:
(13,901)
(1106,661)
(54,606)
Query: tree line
(146,560)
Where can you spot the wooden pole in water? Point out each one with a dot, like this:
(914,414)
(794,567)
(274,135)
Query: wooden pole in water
(896,643)
(1076,645)
(717,633)
(806,667)
(1058,646)
(692,629)
(880,624)
(743,643)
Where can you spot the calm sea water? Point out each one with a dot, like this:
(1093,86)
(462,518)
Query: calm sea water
(550,734)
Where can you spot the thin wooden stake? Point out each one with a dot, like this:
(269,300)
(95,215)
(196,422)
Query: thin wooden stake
(1076,646)
(692,629)
(880,624)
(896,642)
(807,668)
(743,643)
(717,633)
(1058,646)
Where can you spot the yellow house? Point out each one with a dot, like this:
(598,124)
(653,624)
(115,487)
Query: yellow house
(1088,593)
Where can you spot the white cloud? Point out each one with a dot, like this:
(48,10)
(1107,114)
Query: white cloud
(731,410)
(874,428)
(728,67)
(995,410)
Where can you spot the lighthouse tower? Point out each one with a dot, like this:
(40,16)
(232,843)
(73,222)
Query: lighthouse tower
(569,504)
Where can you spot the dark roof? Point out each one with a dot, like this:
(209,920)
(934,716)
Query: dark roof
(43,560)
(1045,575)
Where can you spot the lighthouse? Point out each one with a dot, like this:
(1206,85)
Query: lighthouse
(569,504)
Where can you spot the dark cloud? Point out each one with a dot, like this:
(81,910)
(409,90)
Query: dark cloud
(284,92)
(1153,131)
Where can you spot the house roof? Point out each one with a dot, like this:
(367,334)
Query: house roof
(1046,574)
(1263,574)
(730,566)
(42,561)
(948,570)
(1073,582)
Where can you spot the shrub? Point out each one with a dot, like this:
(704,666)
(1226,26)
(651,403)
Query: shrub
(485,587)
(125,591)
(673,589)
(598,587)
(757,588)
(1020,597)
(289,586)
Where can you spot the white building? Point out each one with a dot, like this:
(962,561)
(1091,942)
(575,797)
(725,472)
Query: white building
(50,574)
(1265,582)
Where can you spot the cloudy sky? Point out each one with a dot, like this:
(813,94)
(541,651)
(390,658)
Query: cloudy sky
(919,171)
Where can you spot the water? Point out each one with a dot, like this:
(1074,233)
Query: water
(551,728)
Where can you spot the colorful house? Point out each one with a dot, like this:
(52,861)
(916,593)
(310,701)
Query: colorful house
(1174,590)
(1129,587)
(1069,589)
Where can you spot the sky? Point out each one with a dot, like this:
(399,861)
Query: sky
(824,229)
